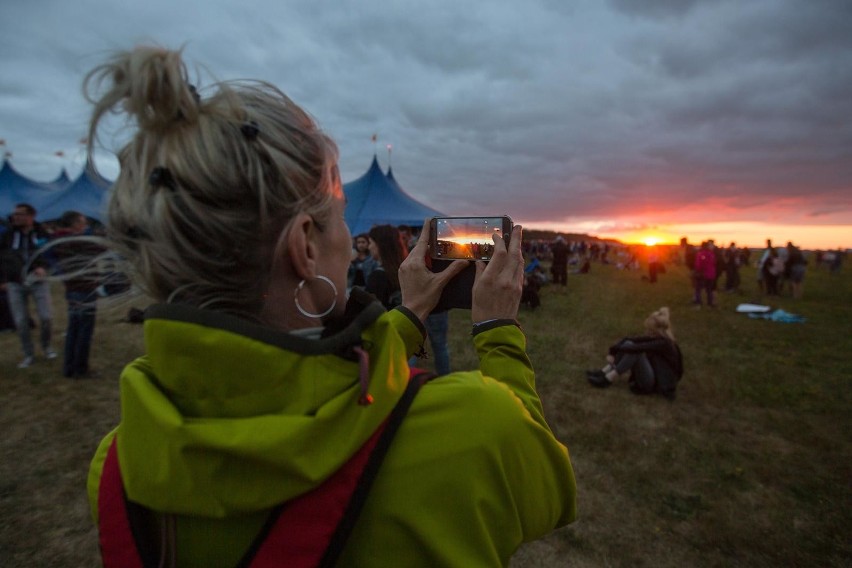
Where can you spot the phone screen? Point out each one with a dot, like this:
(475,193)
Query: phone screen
(467,238)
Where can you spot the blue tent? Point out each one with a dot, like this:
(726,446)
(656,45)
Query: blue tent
(61,182)
(16,188)
(377,199)
(87,195)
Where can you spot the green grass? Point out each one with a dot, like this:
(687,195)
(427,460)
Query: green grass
(750,466)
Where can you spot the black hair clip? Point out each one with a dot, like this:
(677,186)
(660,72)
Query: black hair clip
(162,177)
(250,130)
(194,93)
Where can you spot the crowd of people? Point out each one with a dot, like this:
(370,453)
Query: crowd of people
(778,268)
(31,256)
(376,258)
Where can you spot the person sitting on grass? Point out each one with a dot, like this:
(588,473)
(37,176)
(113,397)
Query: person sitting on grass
(653,361)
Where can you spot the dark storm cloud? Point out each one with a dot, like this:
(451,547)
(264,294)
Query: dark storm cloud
(548,111)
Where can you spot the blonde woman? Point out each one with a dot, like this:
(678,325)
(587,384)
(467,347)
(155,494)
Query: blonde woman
(258,428)
(653,361)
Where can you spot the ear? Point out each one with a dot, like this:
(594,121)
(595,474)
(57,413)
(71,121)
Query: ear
(301,247)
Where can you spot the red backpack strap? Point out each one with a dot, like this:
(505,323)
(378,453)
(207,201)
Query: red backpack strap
(118,545)
(312,529)
(417,379)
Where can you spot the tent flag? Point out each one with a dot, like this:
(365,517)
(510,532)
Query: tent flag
(377,199)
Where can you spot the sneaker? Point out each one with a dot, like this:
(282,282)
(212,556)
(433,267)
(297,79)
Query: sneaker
(598,379)
(26,362)
(50,354)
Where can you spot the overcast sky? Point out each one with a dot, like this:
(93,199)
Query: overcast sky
(595,114)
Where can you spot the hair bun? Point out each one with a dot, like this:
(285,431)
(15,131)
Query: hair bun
(149,83)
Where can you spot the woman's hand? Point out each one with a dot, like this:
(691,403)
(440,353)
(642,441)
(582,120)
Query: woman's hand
(499,282)
(421,288)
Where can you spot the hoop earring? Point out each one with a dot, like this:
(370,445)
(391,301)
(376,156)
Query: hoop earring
(308,314)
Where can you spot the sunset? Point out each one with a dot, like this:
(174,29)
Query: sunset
(749,234)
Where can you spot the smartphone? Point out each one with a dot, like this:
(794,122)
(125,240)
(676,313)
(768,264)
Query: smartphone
(467,238)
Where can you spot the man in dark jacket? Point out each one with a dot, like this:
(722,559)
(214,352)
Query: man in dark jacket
(23,274)
(76,260)
(559,267)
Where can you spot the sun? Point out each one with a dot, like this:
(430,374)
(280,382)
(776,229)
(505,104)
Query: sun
(651,241)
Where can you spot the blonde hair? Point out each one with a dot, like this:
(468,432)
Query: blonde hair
(207,183)
(659,323)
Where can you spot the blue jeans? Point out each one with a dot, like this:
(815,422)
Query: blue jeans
(703,284)
(82,309)
(642,374)
(17,295)
(436,326)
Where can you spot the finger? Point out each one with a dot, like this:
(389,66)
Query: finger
(498,257)
(515,241)
(480,268)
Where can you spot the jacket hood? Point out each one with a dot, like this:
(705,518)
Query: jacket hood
(224,417)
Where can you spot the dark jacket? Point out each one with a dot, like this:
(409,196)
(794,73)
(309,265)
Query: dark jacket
(560,254)
(663,354)
(16,249)
(76,259)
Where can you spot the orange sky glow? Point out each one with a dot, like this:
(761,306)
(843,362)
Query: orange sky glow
(744,233)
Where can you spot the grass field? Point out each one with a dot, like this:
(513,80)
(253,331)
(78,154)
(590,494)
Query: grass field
(750,466)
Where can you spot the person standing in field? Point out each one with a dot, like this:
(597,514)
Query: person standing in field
(387,247)
(773,269)
(705,274)
(761,274)
(689,252)
(25,275)
(76,258)
(732,268)
(653,264)
(273,415)
(559,265)
(362,264)
(796,266)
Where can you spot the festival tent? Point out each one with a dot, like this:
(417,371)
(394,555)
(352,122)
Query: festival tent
(377,199)
(16,188)
(61,182)
(87,195)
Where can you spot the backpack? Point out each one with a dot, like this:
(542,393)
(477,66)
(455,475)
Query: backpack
(293,535)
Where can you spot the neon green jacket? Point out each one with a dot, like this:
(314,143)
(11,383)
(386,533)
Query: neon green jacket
(223,419)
